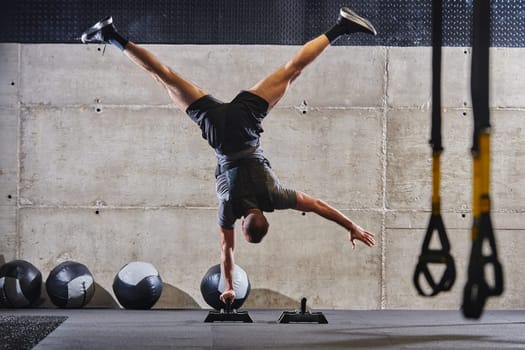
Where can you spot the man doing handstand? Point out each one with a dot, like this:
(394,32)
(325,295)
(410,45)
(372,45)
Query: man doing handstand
(246,185)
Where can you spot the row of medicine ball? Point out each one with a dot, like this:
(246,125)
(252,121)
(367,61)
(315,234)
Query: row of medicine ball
(71,285)
(137,285)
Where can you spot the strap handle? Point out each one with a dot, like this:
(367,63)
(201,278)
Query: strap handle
(433,256)
(477,289)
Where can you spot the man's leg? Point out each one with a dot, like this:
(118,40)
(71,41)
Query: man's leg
(181,91)
(273,87)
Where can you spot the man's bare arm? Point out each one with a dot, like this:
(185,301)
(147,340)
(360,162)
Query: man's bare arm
(307,203)
(227,263)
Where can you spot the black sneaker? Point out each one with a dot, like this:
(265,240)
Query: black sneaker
(354,22)
(100,32)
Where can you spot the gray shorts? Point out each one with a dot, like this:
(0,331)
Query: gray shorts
(256,186)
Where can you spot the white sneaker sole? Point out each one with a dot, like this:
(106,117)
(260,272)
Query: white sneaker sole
(350,15)
(95,28)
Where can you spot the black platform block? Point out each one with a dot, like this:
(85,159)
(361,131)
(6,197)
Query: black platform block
(302,316)
(298,317)
(233,316)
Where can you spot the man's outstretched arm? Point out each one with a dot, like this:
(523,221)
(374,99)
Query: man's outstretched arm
(307,203)
(227,263)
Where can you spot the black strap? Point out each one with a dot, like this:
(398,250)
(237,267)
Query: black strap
(435,225)
(479,77)
(477,289)
(437,43)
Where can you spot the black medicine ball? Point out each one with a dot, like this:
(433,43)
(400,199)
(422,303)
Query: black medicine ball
(212,286)
(70,285)
(20,284)
(137,285)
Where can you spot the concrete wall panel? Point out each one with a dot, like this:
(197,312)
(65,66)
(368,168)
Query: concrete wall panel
(147,156)
(83,75)
(403,238)
(8,233)
(9,73)
(8,155)
(308,256)
(74,74)
(332,154)
(409,174)
(410,77)
(98,134)
(508,157)
(182,244)
(507,85)
(342,77)
(401,259)
(409,167)
(8,181)
(125,157)
(302,256)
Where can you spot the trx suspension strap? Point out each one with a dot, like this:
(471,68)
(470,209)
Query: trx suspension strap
(477,289)
(436,256)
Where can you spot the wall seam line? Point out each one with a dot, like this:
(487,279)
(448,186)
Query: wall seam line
(18,153)
(383,181)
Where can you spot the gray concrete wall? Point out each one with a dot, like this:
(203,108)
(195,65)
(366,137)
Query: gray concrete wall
(99,167)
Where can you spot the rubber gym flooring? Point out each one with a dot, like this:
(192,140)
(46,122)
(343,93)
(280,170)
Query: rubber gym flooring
(185,329)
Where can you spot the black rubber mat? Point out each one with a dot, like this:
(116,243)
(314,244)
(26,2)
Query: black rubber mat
(399,22)
(24,332)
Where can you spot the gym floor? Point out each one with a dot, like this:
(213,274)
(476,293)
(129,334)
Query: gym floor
(185,329)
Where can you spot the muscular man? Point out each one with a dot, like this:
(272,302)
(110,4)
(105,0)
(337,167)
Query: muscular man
(246,185)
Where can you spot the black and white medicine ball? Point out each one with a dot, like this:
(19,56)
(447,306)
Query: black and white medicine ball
(212,286)
(70,285)
(137,285)
(20,284)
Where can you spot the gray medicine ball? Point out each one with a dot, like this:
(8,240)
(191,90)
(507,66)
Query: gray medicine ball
(212,286)
(137,285)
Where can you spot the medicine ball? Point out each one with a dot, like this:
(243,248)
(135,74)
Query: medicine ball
(70,285)
(137,285)
(212,286)
(20,284)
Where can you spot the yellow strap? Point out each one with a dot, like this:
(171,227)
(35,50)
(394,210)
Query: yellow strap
(484,186)
(476,189)
(481,180)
